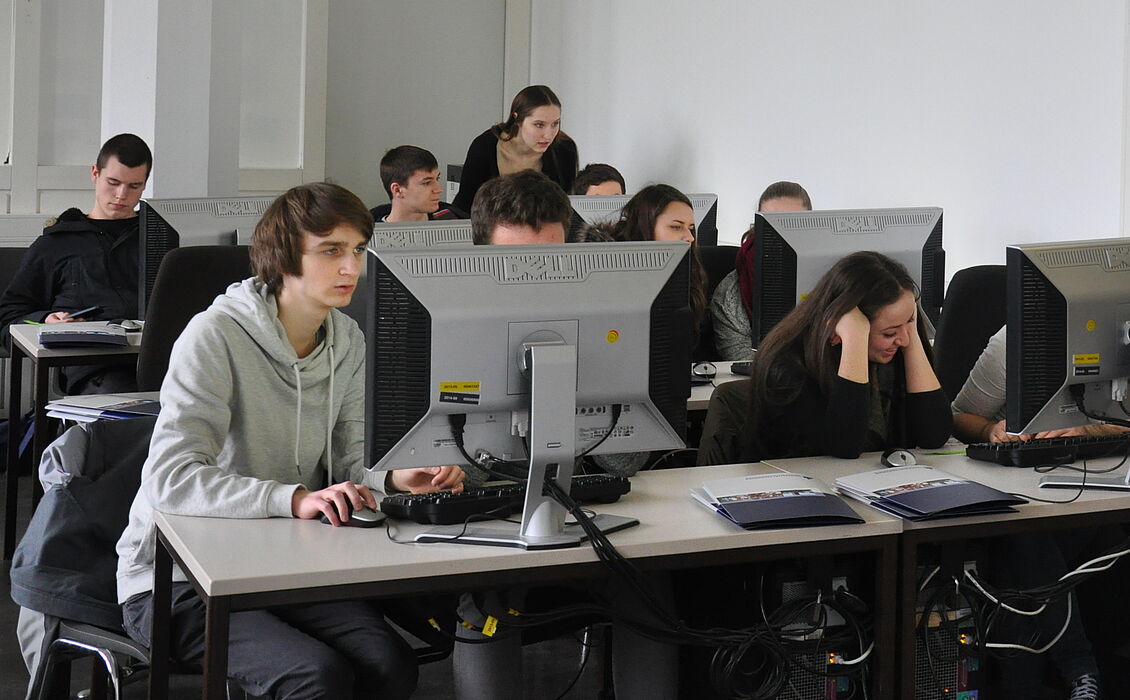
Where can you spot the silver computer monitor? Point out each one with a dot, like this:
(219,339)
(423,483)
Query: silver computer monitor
(793,250)
(1068,337)
(420,234)
(171,223)
(529,354)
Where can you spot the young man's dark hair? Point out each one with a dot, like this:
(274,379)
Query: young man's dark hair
(130,151)
(402,162)
(316,208)
(596,174)
(525,198)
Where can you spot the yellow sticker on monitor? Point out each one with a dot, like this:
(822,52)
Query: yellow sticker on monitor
(1091,324)
(459,392)
(1091,358)
(612,336)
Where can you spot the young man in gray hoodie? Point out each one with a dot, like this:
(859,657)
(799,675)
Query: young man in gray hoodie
(262,415)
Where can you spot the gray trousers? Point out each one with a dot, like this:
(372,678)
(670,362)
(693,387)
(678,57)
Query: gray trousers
(323,650)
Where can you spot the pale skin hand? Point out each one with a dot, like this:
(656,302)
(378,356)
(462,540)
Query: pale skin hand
(60,317)
(974,428)
(331,502)
(853,330)
(426,479)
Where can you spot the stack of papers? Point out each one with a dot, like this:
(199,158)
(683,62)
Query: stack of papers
(92,407)
(83,334)
(775,500)
(921,493)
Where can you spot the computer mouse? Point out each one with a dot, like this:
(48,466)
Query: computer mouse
(130,325)
(365,517)
(898,457)
(704,370)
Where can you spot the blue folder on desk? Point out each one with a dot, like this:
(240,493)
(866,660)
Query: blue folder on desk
(922,493)
(775,500)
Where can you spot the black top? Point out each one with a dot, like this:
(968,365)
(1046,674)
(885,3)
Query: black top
(813,424)
(559,163)
(77,262)
(445,211)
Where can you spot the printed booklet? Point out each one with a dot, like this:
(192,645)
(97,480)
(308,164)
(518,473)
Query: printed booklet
(83,334)
(775,500)
(920,493)
(91,407)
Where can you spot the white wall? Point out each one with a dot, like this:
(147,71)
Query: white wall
(426,73)
(1007,114)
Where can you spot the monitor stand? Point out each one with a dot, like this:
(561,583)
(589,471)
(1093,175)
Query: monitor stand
(553,408)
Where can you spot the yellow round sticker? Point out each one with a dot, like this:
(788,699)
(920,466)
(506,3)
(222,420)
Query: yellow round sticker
(612,336)
(1091,324)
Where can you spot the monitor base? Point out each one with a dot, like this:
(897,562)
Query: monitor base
(571,536)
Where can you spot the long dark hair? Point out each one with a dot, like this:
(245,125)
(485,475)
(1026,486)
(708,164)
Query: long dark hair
(799,347)
(637,223)
(527,100)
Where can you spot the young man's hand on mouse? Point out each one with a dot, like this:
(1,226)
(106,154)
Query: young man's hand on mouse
(333,502)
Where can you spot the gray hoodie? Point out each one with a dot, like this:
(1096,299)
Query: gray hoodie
(244,422)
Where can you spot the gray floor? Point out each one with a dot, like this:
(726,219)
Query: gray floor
(550,666)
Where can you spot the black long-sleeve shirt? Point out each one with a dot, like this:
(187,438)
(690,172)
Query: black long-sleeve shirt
(559,163)
(836,424)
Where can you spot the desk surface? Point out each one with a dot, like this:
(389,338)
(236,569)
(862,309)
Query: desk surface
(26,336)
(1008,479)
(233,557)
(701,393)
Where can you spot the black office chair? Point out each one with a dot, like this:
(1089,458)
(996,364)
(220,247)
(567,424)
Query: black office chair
(973,310)
(717,262)
(187,282)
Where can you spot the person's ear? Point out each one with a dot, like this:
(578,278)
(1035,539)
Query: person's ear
(395,189)
(94,173)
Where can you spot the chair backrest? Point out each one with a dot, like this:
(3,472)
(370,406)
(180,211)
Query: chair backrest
(973,310)
(717,262)
(188,281)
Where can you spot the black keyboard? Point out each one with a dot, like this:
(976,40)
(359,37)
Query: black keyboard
(446,508)
(1038,452)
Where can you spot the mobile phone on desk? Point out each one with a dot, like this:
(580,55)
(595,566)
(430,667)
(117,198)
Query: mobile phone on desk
(81,312)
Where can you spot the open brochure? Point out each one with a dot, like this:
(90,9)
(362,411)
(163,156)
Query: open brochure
(921,493)
(775,500)
(92,407)
(83,334)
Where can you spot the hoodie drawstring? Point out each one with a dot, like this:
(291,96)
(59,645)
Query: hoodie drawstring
(297,417)
(329,421)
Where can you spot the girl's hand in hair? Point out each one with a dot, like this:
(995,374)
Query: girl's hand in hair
(852,326)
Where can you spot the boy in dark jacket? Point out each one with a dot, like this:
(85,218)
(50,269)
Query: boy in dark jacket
(85,260)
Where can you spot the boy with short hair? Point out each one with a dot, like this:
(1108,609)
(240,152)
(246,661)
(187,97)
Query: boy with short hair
(262,415)
(85,260)
(410,176)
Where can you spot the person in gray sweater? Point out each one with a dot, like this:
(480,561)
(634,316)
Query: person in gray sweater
(262,415)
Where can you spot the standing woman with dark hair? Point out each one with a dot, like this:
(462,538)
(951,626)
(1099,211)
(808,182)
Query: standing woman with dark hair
(660,213)
(529,139)
(847,371)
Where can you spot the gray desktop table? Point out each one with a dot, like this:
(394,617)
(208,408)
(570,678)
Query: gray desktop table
(700,393)
(25,345)
(246,564)
(1093,507)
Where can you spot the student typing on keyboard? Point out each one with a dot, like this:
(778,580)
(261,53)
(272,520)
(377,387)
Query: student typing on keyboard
(978,410)
(1025,561)
(262,415)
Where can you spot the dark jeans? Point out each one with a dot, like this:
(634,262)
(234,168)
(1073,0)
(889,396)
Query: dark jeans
(1027,561)
(323,650)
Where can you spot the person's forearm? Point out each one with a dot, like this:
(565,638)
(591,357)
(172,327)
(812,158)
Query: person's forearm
(969,427)
(920,376)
